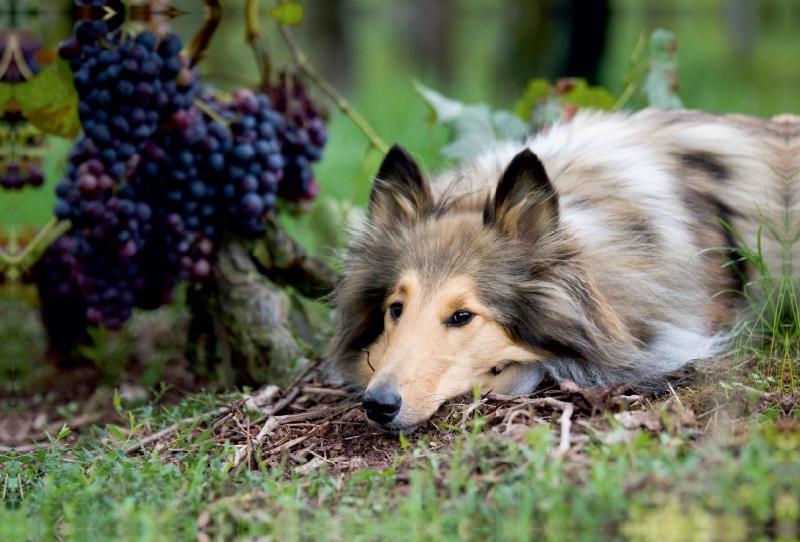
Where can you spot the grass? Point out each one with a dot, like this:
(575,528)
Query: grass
(729,475)
(739,485)
(771,333)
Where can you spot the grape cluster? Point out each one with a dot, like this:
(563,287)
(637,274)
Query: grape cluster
(14,177)
(128,88)
(302,139)
(244,160)
(63,308)
(165,168)
(172,177)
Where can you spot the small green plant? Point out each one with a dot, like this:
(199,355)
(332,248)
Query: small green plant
(772,333)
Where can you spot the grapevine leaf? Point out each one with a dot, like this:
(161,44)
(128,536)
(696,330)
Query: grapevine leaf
(661,82)
(537,88)
(288,13)
(508,125)
(465,147)
(586,96)
(6,93)
(474,127)
(443,109)
(472,132)
(49,103)
(547,112)
(474,121)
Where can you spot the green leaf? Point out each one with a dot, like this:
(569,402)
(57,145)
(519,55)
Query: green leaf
(403,442)
(49,103)
(547,113)
(363,476)
(465,147)
(537,88)
(6,93)
(288,13)
(586,96)
(475,121)
(474,127)
(204,435)
(661,82)
(443,109)
(472,133)
(64,432)
(117,401)
(117,433)
(508,125)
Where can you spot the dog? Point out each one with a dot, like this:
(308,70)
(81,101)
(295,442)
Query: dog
(578,255)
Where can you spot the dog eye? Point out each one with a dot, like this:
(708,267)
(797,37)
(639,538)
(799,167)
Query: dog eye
(460,318)
(395,310)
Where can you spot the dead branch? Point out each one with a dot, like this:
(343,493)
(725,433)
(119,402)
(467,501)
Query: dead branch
(174,427)
(566,425)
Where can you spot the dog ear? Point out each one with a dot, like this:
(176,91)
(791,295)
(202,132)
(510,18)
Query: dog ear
(399,192)
(525,204)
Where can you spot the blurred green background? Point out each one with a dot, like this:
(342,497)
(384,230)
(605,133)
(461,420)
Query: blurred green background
(736,56)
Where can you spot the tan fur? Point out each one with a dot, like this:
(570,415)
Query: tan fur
(429,363)
(585,260)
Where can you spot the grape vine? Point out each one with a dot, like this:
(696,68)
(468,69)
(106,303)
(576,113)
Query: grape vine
(164,169)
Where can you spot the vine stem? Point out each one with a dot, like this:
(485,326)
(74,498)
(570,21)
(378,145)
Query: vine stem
(14,265)
(302,62)
(197,48)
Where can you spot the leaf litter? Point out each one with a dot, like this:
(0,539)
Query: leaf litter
(317,420)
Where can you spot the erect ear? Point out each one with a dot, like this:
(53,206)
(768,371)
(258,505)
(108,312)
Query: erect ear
(399,192)
(525,204)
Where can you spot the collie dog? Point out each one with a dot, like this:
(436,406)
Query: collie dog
(579,254)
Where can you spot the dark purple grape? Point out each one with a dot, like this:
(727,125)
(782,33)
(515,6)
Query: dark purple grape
(302,139)
(154,181)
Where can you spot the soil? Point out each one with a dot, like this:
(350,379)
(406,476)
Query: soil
(317,420)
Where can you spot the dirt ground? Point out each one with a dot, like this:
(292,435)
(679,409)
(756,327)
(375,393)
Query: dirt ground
(317,420)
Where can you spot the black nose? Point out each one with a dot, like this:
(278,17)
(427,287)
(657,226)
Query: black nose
(382,404)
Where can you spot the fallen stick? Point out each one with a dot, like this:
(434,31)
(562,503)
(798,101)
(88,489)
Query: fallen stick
(291,392)
(285,446)
(140,443)
(537,402)
(566,425)
(280,405)
(273,422)
(240,454)
(762,394)
(325,391)
(311,415)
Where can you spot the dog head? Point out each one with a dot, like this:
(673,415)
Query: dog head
(438,299)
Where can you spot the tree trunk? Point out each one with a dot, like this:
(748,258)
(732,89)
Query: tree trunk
(247,327)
